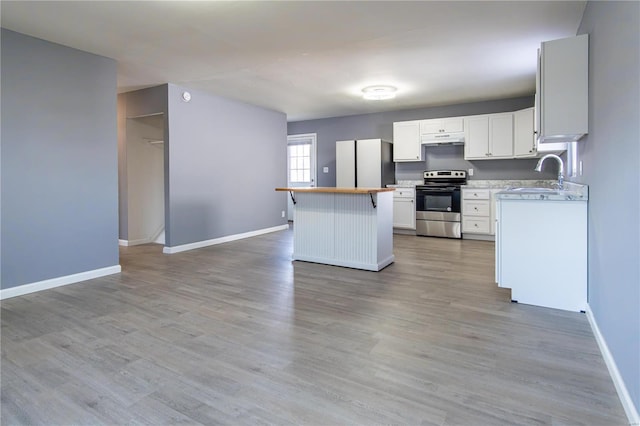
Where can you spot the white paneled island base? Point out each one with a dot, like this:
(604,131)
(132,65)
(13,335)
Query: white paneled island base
(350,227)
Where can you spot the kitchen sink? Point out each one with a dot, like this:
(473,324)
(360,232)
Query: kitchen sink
(533,190)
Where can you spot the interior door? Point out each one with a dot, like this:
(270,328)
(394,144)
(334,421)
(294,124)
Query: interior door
(301,164)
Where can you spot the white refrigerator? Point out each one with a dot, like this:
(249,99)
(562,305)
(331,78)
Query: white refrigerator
(364,163)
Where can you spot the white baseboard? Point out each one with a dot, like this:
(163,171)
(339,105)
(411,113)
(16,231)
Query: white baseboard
(58,282)
(226,239)
(627,403)
(480,237)
(135,242)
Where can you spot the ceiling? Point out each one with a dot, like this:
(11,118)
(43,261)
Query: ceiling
(310,59)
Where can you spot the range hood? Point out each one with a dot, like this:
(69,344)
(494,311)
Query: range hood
(452,138)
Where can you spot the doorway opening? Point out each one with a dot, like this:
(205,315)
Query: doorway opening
(145,179)
(301,164)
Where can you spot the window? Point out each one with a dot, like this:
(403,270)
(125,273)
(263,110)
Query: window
(301,159)
(299,163)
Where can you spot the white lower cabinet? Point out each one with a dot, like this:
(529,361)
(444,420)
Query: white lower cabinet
(479,212)
(476,211)
(404,208)
(471,225)
(541,252)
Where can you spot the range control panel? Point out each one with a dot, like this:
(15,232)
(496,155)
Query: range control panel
(445,174)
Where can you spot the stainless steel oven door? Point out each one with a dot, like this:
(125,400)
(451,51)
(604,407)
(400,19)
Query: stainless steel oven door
(446,199)
(438,224)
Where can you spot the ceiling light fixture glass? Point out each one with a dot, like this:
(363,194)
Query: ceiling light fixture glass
(379,93)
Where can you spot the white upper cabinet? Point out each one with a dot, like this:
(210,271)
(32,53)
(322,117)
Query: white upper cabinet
(524,138)
(406,141)
(562,93)
(525,144)
(498,136)
(489,137)
(501,135)
(476,137)
(442,125)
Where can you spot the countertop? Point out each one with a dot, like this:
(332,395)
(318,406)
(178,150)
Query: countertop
(571,192)
(509,183)
(485,184)
(406,184)
(337,190)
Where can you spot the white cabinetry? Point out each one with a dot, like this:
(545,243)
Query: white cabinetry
(489,136)
(406,141)
(476,211)
(524,138)
(404,208)
(525,144)
(442,125)
(479,212)
(476,137)
(563,88)
(541,252)
(501,135)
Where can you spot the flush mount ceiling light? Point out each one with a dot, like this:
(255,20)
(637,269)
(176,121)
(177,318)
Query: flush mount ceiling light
(379,93)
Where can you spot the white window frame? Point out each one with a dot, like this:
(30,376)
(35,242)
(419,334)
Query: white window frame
(291,140)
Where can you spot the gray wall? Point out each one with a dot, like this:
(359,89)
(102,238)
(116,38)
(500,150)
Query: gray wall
(611,158)
(59,161)
(142,102)
(225,160)
(380,125)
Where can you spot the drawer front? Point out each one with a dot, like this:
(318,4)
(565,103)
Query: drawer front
(476,208)
(404,193)
(476,225)
(476,194)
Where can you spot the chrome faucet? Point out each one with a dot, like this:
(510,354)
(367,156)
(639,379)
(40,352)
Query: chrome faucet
(560,168)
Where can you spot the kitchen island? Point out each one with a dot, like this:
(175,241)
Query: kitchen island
(350,227)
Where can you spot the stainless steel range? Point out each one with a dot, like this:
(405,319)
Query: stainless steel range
(438,203)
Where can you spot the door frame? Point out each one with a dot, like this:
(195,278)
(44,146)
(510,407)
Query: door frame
(314,163)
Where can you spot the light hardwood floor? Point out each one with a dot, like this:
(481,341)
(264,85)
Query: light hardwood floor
(239,334)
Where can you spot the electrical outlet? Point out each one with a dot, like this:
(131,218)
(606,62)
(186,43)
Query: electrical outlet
(282,213)
(325,170)
(470,172)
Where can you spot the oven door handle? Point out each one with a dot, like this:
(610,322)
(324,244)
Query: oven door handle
(437,189)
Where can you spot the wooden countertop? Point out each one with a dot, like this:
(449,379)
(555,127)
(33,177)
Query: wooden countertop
(337,190)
